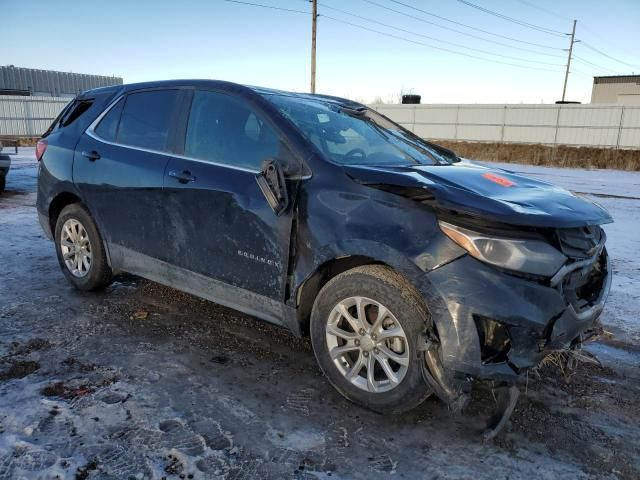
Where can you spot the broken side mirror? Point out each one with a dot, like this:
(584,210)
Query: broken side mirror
(272,183)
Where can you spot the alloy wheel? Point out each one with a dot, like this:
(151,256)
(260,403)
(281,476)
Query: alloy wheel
(75,247)
(367,344)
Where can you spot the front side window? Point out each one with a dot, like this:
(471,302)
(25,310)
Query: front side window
(224,129)
(146,119)
(357,137)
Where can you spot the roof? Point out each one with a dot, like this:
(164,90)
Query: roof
(617,79)
(238,88)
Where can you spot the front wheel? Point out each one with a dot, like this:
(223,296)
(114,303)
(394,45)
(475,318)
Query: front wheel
(367,329)
(80,250)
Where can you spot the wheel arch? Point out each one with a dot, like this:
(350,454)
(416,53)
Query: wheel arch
(65,198)
(308,289)
(58,203)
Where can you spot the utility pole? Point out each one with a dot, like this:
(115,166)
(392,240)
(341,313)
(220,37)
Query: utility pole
(314,20)
(566,74)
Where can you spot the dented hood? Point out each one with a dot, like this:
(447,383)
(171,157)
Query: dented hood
(483,191)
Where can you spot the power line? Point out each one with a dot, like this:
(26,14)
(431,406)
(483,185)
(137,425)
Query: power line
(587,62)
(267,6)
(584,26)
(434,38)
(466,26)
(591,47)
(514,20)
(398,37)
(542,9)
(362,27)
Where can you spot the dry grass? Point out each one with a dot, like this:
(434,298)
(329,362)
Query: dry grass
(566,360)
(558,156)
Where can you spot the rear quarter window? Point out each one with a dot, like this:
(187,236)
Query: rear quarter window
(72,111)
(76,110)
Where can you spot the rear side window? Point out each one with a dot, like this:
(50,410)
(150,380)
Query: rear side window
(75,111)
(108,126)
(224,129)
(72,111)
(146,119)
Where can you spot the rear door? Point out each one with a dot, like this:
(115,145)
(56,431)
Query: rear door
(119,167)
(219,223)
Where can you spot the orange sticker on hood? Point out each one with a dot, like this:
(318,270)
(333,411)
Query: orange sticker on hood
(505,182)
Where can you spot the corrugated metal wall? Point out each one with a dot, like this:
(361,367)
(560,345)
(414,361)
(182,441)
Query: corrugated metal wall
(28,116)
(51,83)
(608,126)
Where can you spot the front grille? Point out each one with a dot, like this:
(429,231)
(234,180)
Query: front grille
(581,243)
(585,246)
(582,287)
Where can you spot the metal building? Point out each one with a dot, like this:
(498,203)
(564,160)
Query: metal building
(620,89)
(49,83)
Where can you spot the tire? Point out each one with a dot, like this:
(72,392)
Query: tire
(3,181)
(372,284)
(98,273)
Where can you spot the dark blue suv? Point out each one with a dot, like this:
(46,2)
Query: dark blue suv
(411,269)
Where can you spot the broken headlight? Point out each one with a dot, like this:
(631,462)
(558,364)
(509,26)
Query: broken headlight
(535,257)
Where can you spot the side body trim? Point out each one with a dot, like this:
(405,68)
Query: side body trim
(202,286)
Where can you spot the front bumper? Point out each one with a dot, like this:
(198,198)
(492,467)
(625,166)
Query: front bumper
(476,307)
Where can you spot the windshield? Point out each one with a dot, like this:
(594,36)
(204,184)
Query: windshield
(357,137)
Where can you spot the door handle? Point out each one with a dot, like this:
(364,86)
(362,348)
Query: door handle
(92,155)
(183,177)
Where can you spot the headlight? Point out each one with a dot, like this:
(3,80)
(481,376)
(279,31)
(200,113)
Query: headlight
(528,256)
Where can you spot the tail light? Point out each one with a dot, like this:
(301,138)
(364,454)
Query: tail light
(41,147)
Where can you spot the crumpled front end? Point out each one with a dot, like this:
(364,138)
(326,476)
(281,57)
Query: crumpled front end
(495,324)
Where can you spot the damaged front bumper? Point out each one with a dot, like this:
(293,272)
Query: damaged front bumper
(492,324)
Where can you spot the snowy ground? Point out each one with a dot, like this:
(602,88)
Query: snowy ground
(141,381)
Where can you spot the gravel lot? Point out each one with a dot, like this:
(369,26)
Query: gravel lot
(142,381)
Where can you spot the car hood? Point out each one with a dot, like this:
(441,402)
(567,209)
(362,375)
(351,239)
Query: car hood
(482,191)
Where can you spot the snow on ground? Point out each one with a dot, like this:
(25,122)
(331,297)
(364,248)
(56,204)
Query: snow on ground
(141,381)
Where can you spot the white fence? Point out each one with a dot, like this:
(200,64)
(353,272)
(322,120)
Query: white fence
(608,126)
(28,116)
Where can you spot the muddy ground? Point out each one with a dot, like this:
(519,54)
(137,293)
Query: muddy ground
(142,381)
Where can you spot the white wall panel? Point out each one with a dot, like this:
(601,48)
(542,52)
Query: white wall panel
(397,113)
(441,132)
(476,115)
(526,134)
(631,117)
(630,138)
(588,125)
(483,133)
(531,115)
(587,136)
(28,116)
(436,114)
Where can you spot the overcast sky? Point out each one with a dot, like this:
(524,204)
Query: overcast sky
(148,40)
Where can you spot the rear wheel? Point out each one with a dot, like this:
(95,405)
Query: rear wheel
(367,328)
(80,250)
(3,182)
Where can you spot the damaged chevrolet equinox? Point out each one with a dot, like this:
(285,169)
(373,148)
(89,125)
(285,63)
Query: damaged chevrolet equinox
(412,270)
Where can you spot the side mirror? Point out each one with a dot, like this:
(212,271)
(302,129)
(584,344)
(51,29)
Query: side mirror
(272,184)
